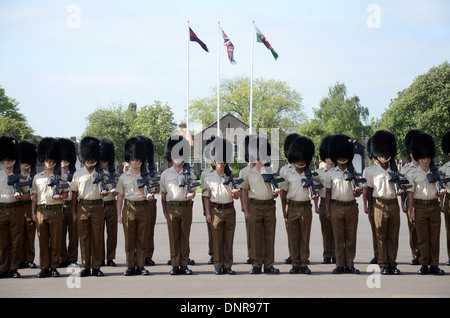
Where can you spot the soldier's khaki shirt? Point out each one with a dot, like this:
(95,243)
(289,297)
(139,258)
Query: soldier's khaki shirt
(169,184)
(341,189)
(285,169)
(407,169)
(378,180)
(82,183)
(43,192)
(205,174)
(422,188)
(7,191)
(445,168)
(216,190)
(128,186)
(257,188)
(293,186)
(322,172)
(242,174)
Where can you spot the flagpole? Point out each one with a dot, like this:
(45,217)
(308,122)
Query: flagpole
(218,78)
(187,84)
(251,78)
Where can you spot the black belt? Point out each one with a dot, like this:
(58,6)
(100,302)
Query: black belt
(135,203)
(386,201)
(91,202)
(49,206)
(223,205)
(344,203)
(426,202)
(179,203)
(299,203)
(9,205)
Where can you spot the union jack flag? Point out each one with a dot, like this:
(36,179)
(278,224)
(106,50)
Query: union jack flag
(230,47)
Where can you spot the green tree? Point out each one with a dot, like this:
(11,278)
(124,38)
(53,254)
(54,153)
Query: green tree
(12,122)
(113,123)
(156,122)
(338,114)
(425,104)
(275,104)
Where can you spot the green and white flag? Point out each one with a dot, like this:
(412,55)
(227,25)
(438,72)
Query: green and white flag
(262,39)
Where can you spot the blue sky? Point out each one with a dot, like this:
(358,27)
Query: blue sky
(61,64)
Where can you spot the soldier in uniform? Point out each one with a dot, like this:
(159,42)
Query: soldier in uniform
(204,175)
(329,255)
(11,218)
(28,160)
(69,250)
(260,209)
(135,215)
(386,211)
(219,206)
(298,201)
(423,204)
(151,167)
(368,202)
(47,206)
(445,204)
(87,208)
(109,204)
(177,204)
(406,170)
(287,142)
(244,202)
(341,206)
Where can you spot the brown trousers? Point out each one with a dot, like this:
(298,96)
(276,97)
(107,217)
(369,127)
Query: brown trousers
(90,231)
(327,231)
(413,243)
(223,225)
(49,234)
(69,252)
(262,231)
(387,224)
(299,233)
(11,232)
(29,234)
(179,221)
(110,224)
(428,227)
(136,225)
(151,232)
(344,220)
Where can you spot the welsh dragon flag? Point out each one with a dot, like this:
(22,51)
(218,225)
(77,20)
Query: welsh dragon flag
(262,39)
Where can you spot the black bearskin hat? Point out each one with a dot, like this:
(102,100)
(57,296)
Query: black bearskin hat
(323,148)
(422,146)
(446,143)
(69,153)
(135,148)
(9,148)
(287,143)
(220,150)
(90,148)
(150,150)
(49,148)
(177,147)
(341,146)
(257,147)
(384,143)
(108,153)
(302,149)
(408,138)
(369,149)
(28,153)
(207,149)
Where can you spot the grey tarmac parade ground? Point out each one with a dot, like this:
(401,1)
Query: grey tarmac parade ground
(204,284)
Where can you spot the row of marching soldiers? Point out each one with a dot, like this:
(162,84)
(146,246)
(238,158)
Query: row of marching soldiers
(95,195)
